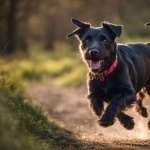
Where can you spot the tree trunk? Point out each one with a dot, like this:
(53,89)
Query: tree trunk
(11,27)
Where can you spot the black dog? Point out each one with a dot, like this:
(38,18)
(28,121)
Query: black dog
(116,72)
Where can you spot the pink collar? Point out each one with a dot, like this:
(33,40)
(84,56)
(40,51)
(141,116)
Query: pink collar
(109,71)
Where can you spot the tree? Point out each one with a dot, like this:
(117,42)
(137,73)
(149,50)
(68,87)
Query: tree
(11,26)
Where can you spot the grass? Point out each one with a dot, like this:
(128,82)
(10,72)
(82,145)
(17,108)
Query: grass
(24,126)
(63,71)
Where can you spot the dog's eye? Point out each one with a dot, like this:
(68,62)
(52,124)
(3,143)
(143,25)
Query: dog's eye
(87,39)
(103,38)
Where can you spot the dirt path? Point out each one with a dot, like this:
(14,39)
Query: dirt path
(68,107)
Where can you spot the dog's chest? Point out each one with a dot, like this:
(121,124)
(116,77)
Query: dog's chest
(106,88)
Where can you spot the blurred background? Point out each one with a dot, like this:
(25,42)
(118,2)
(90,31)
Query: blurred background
(40,66)
(44,24)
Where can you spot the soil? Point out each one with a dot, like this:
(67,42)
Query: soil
(69,108)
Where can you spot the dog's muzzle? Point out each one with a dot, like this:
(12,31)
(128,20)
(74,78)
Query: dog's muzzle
(95,62)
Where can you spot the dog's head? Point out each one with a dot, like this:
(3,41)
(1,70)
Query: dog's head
(97,44)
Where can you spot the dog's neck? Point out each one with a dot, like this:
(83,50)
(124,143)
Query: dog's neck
(109,70)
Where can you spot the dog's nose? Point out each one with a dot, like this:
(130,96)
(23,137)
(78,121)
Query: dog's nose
(94,53)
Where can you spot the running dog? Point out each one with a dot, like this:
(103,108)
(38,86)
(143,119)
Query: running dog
(117,72)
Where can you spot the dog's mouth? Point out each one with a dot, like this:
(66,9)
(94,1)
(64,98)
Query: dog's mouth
(96,66)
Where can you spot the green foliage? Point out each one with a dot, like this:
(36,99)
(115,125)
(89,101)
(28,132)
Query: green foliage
(73,78)
(62,69)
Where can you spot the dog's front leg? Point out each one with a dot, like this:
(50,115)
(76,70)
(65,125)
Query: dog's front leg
(95,104)
(117,104)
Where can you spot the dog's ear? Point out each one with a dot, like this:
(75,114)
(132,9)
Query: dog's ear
(82,27)
(115,30)
(147,24)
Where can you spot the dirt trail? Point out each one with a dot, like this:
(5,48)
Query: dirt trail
(68,107)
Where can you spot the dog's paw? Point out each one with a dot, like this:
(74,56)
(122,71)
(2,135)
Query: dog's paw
(105,122)
(141,111)
(149,125)
(144,112)
(126,121)
(129,125)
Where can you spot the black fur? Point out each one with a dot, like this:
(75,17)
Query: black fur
(99,50)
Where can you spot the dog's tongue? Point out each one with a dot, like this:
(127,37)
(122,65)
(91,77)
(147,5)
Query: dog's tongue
(94,64)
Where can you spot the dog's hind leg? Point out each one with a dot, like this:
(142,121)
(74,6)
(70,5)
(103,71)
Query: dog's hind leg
(148,93)
(126,121)
(139,108)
